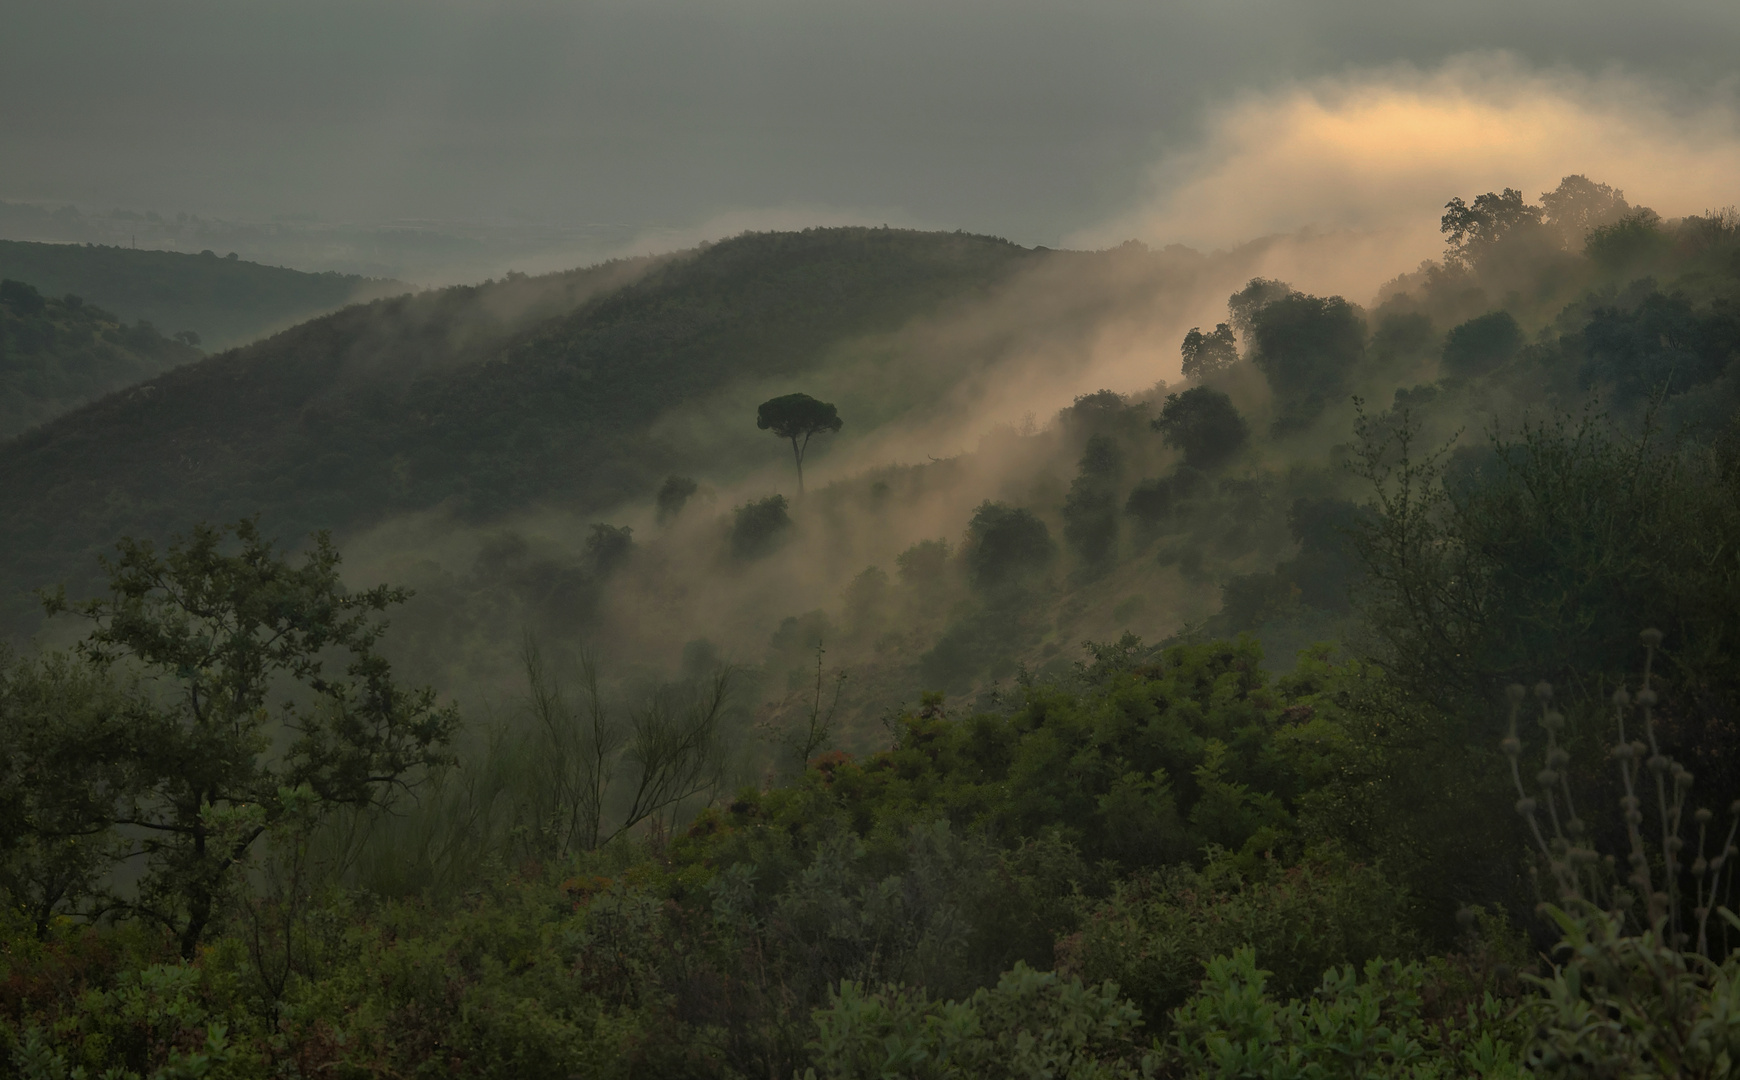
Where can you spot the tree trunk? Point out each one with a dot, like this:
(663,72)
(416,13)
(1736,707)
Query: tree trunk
(798,456)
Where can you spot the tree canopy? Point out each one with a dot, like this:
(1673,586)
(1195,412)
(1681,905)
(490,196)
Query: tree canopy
(797,417)
(1204,424)
(214,626)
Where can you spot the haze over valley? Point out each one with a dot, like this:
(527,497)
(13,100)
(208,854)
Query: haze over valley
(845,542)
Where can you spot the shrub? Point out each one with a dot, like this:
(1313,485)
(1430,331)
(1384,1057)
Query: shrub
(758,528)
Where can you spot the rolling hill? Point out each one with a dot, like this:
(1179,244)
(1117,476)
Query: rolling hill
(226,301)
(481,398)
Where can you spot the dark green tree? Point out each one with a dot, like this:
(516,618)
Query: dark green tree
(1090,513)
(1307,347)
(215,628)
(1482,344)
(1204,424)
(1492,217)
(758,527)
(1006,544)
(1258,293)
(794,417)
(1579,205)
(1206,354)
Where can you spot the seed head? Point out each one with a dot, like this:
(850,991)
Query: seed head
(1700,865)
(1547,777)
(1658,763)
(1621,698)
(1629,802)
(1646,697)
(1544,690)
(1558,757)
(1512,746)
(1650,638)
(1525,806)
(1683,778)
(1553,721)
(1515,692)
(1574,826)
(1622,751)
(1702,817)
(1465,917)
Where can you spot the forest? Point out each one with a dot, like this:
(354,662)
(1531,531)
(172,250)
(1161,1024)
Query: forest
(476,683)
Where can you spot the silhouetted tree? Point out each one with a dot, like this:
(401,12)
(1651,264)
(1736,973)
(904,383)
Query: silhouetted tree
(1491,218)
(1204,424)
(1579,205)
(673,495)
(1205,354)
(1242,306)
(1482,344)
(212,763)
(1090,513)
(609,546)
(1006,544)
(794,417)
(1306,346)
(759,527)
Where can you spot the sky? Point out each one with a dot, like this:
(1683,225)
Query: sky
(1048,123)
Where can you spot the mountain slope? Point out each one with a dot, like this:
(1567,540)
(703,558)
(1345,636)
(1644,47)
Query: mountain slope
(225,301)
(485,398)
(56,354)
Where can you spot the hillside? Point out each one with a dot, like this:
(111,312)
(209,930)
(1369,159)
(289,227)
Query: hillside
(482,398)
(224,300)
(58,353)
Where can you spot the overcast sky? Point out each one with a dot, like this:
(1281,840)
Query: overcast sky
(1031,120)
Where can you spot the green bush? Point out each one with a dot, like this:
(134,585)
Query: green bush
(1156,934)
(1031,1026)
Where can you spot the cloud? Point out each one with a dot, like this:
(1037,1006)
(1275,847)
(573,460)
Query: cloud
(1366,160)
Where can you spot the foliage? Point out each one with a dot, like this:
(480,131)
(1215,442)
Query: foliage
(1032,1024)
(1154,935)
(797,416)
(1307,347)
(759,527)
(1090,513)
(58,354)
(1208,354)
(1005,545)
(1632,1005)
(207,765)
(1492,217)
(1479,345)
(1529,560)
(1367,1025)
(1204,424)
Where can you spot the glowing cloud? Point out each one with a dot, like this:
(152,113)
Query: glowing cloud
(1377,153)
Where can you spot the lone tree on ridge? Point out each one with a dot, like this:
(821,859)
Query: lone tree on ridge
(796,415)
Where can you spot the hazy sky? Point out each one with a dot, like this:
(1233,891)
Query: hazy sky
(1030,120)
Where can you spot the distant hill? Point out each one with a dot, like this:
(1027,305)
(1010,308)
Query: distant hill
(57,353)
(226,301)
(483,398)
